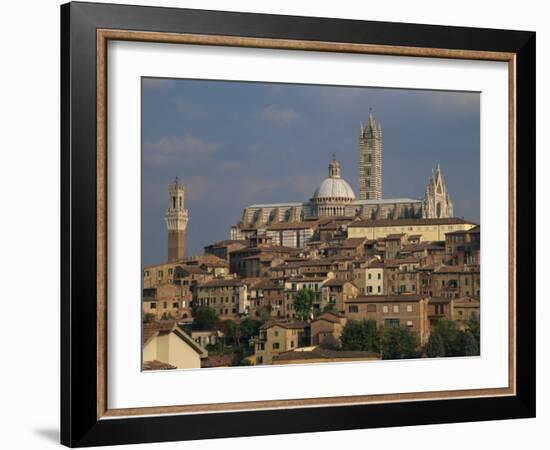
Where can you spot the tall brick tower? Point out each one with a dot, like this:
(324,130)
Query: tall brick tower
(176,217)
(370,160)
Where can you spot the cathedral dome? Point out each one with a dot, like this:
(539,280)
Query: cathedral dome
(335,188)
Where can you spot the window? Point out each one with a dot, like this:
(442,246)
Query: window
(175,305)
(165,305)
(391,323)
(379,276)
(371,308)
(379,289)
(385,309)
(259,360)
(276,333)
(395,308)
(409,323)
(276,346)
(170,271)
(153,305)
(146,273)
(353,308)
(369,288)
(370,276)
(159,273)
(291,344)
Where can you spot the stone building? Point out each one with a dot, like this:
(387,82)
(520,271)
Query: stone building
(336,292)
(463,246)
(392,311)
(279,336)
(369,278)
(429,229)
(222,249)
(229,298)
(176,218)
(327,324)
(334,198)
(455,281)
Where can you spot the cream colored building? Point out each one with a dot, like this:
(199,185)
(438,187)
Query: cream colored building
(429,229)
(370,279)
(277,337)
(164,341)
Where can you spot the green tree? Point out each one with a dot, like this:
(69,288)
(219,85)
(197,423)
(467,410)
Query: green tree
(450,335)
(329,307)
(470,344)
(303,303)
(330,343)
(204,318)
(361,335)
(473,326)
(250,328)
(436,346)
(235,333)
(398,343)
(149,317)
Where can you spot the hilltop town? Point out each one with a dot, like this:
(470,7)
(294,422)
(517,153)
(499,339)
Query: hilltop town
(334,278)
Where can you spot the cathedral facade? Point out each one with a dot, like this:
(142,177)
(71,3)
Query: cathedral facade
(334,197)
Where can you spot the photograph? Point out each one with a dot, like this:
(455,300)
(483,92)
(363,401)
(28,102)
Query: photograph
(301,224)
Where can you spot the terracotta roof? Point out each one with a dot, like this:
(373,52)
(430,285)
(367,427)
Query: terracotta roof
(474,230)
(399,261)
(321,353)
(394,236)
(439,300)
(376,265)
(334,282)
(457,269)
(266,249)
(152,328)
(267,284)
(157,365)
(405,222)
(288,324)
(352,242)
(330,317)
(217,361)
(386,298)
(180,271)
(467,301)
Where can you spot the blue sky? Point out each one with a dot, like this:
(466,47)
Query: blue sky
(237,143)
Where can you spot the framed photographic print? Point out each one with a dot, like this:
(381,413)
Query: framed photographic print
(276,224)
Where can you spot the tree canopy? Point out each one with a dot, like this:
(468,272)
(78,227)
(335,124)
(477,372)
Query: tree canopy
(398,343)
(360,335)
(303,303)
(204,318)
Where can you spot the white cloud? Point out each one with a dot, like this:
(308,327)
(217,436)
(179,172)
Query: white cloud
(280,115)
(191,110)
(167,149)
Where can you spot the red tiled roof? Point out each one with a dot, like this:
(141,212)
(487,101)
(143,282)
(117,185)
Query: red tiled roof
(157,365)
